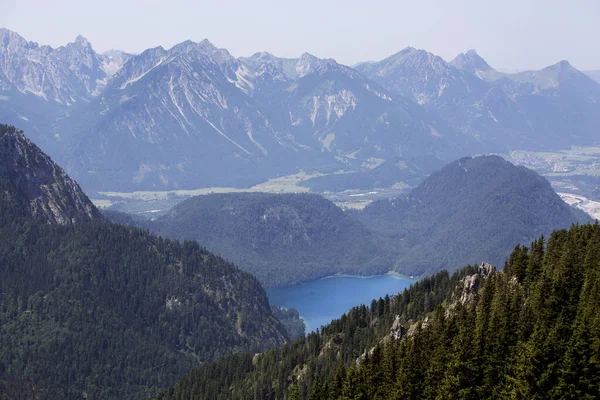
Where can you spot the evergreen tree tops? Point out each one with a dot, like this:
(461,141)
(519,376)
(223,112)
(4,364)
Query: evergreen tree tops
(530,331)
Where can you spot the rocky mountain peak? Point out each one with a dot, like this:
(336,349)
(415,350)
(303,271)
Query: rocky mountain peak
(62,76)
(187,46)
(262,56)
(470,62)
(33,184)
(308,64)
(207,46)
(82,41)
(113,60)
(10,38)
(414,60)
(564,68)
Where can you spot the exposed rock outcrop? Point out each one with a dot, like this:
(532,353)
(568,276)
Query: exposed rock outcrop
(36,186)
(470,286)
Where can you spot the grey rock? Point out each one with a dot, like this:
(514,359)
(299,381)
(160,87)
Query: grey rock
(33,182)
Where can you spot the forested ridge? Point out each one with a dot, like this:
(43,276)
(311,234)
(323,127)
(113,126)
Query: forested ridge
(471,210)
(530,331)
(102,311)
(282,239)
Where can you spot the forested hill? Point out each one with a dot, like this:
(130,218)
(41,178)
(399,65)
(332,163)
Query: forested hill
(36,186)
(472,210)
(279,238)
(103,311)
(530,331)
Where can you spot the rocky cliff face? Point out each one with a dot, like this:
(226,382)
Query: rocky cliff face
(39,187)
(64,75)
(469,287)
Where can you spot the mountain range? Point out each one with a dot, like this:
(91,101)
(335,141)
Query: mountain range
(555,107)
(195,116)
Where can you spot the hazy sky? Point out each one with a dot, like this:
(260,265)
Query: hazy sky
(510,34)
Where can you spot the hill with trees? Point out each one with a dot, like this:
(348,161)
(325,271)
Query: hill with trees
(281,239)
(530,331)
(90,309)
(472,210)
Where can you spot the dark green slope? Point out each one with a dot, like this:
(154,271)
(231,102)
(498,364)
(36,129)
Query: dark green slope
(280,238)
(472,210)
(531,331)
(103,311)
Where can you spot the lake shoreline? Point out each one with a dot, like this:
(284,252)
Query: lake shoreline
(389,273)
(320,301)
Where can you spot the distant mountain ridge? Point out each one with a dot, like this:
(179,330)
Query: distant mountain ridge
(195,106)
(164,118)
(557,106)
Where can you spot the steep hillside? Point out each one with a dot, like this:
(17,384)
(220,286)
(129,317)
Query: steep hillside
(473,209)
(36,186)
(99,310)
(530,331)
(595,75)
(280,239)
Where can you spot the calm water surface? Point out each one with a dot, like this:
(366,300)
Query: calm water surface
(321,301)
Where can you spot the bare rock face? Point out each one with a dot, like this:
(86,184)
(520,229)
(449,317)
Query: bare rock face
(485,269)
(38,187)
(470,285)
(396,329)
(413,328)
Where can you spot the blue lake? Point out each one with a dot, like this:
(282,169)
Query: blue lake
(321,301)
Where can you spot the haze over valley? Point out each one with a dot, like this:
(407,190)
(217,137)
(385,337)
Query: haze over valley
(183,221)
